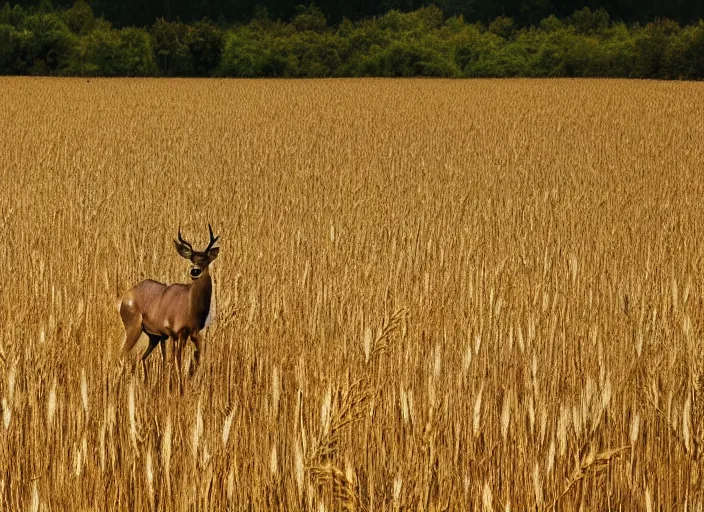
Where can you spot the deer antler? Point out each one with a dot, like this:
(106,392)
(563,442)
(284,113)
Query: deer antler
(213,239)
(182,241)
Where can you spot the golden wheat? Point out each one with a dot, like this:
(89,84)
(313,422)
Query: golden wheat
(431,295)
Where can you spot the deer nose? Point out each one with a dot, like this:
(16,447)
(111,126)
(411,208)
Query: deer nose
(195,272)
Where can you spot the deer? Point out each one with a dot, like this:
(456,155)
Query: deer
(177,311)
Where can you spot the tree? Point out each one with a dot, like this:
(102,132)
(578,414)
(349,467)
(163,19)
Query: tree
(169,39)
(205,42)
(53,44)
(309,17)
(79,18)
(586,21)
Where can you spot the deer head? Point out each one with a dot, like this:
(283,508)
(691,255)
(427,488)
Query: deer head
(200,259)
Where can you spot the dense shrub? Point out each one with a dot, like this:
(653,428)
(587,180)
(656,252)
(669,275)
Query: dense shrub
(248,53)
(552,47)
(52,45)
(613,55)
(502,27)
(170,41)
(187,49)
(205,43)
(414,58)
(504,60)
(468,45)
(650,46)
(683,57)
(15,51)
(126,52)
(318,55)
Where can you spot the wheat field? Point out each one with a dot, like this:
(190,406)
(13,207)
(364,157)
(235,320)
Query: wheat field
(431,295)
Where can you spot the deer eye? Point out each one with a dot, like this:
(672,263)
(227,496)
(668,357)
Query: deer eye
(195,272)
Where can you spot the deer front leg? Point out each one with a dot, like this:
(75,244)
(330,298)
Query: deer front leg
(154,340)
(197,340)
(162,346)
(179,342)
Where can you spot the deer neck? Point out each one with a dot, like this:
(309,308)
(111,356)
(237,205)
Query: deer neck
(201,290)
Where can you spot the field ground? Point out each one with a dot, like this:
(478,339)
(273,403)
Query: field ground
(431,295)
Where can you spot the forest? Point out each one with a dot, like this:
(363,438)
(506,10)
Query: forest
(274,39)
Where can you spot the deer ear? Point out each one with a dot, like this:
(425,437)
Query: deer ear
(213,253)
(184,251)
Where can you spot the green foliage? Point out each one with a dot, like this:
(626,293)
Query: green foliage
(248,53)
(318,55)
(79,18)
(397,44)
(502,27)
(684,55)
(614,54)
(430,17)
(503,61)
(364,43)
(405,58)
(552,49)
(650,45)
(52,46)
(187,50)
(205,43)
(366,35)
(309,17)
(170,42)
(551,24)
(16,52)
(454,25)
(471,45)
(45,6)
(422,20)
(586,21)
(397,21)
(126,52)
(137,55)
(14,15)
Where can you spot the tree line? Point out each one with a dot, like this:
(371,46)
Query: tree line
(73,41)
